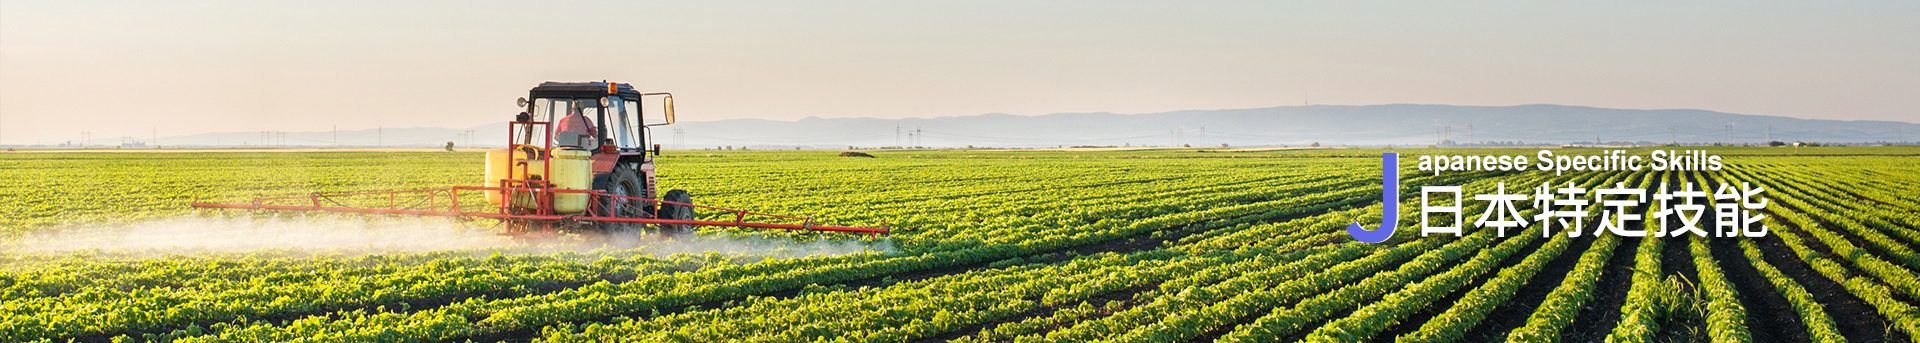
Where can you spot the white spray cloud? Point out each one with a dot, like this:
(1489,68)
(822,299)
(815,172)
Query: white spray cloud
(771,248)
(221,234)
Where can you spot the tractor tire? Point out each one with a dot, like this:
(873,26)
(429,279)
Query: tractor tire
(677,212)
(624,181)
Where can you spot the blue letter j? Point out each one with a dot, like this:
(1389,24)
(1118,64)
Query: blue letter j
(1390,203)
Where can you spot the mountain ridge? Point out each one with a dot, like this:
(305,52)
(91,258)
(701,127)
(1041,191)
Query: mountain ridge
(1371,125)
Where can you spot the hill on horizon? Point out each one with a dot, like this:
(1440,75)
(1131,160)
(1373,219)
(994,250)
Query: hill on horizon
(1369,125)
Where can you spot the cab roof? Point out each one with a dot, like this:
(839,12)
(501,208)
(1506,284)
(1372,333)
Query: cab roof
(590,89)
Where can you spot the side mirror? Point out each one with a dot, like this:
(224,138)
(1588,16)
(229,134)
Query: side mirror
(521,103)
(668,104)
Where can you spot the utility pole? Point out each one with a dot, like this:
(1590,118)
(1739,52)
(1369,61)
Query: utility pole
(1727,137)
(380,136)
(920,138)
(1203,136)
(1671,138)
(336,136)
(156,137)
(896,133)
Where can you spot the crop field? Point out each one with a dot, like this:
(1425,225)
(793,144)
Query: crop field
(989,246)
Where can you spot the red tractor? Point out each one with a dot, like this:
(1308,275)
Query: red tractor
(578,159)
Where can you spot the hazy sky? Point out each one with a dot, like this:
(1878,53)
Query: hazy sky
(124,68)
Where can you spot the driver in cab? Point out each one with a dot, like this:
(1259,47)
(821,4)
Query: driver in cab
(576,130)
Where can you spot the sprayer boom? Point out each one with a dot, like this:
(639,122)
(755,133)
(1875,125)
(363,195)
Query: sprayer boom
(447,202)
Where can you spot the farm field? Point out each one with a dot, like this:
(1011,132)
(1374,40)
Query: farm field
(990,246)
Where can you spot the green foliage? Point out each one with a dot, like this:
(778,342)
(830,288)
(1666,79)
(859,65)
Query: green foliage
(992,246)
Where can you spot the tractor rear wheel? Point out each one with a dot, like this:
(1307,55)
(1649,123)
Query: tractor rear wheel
(676,211)
(624,181)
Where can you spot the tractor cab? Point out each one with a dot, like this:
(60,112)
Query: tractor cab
(603,117)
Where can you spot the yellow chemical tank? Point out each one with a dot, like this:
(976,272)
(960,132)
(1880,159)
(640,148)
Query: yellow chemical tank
(504,164)
(572,169)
